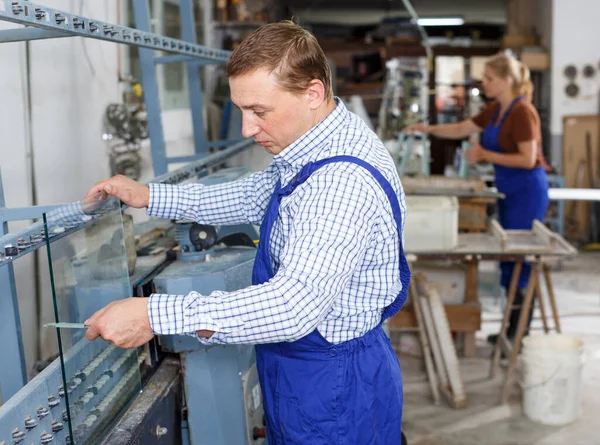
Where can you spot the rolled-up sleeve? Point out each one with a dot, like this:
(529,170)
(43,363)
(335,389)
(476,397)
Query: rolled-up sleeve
(238,202)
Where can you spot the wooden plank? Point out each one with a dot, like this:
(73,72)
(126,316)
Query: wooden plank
(525,242)
(498,232)
(576,166)
(514,280)
(425,345)
(469,344)
(471,281)
(444,336)
(544,233)
(413,296)
(435,346)
(472,213)
(461,317)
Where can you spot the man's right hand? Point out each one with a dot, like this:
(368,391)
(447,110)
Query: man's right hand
(416,128)
(127,190)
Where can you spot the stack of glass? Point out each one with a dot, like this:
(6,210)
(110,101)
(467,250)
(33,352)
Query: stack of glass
(88,270)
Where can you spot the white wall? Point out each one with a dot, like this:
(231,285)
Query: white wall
(575,37)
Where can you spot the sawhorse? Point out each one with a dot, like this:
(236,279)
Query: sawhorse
(533,291)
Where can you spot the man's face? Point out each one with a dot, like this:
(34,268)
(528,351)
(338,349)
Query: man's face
(272,116)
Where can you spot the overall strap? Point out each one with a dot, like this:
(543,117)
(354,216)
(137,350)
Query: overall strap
(510,107)
(497,112)
(263,262)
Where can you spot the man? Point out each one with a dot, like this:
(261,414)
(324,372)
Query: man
(329,267)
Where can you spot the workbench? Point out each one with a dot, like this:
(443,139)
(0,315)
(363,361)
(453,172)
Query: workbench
(471,249)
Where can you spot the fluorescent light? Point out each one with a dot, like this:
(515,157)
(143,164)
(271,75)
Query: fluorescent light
(441,21)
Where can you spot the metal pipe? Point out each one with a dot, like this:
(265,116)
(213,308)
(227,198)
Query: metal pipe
(424,38)
(30,14)
(26,34)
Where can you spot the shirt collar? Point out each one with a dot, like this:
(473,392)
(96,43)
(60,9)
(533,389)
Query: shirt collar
(308,146)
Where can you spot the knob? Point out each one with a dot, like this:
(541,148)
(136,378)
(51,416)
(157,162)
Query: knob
(259,433)
(42,412)
(160,431)
(30,423)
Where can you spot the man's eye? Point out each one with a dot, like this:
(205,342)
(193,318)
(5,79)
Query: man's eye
(259,113)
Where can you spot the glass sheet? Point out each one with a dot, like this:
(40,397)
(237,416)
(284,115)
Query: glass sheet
(88,270)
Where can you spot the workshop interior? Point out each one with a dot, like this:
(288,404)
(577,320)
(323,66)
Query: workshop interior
(90,89)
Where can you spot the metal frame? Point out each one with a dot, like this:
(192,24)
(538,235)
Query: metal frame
(42,22)
(13,375)
(26,13)
(557,222)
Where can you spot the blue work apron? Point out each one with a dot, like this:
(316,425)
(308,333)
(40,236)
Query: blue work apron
(318,393)
(526,192)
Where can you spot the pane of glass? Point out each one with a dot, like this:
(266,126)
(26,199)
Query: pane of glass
(88,266)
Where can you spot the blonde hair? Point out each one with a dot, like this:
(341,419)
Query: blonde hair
(286,49)
(505,66)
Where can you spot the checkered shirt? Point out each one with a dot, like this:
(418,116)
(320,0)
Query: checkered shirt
(334,247)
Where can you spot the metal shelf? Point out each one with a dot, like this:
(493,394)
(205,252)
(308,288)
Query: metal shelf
(65,24)
(42,22)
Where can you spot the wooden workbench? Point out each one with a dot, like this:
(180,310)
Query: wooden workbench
(471,249)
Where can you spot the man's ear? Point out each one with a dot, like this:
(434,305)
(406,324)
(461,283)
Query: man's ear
(315,93)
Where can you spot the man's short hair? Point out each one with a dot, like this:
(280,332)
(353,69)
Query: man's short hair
(286,49)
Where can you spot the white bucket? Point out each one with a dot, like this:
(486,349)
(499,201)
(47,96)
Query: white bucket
(551,368)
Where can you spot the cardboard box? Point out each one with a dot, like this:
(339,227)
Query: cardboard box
(519,41)
(536,61)
(447,277)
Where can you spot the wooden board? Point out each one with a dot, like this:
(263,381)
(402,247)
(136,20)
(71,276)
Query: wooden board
(444,337)
(538,240)
(472,214)
(442,183)
(576,169)
(461,318)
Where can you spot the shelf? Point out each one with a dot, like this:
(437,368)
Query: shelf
(235,24)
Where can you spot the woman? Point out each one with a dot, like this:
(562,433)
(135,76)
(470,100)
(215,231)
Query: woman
(511,141)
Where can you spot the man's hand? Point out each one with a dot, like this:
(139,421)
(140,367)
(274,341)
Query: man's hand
(127,190)
(475,153)
(124,323)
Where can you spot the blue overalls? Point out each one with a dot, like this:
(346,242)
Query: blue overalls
(526,192)
(318,393)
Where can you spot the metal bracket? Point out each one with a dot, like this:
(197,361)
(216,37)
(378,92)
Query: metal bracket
(26,13)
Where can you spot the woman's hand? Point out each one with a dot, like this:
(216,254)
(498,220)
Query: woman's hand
(476,153)
(416,128)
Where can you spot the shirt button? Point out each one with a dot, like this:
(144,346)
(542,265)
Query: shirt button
(333,352)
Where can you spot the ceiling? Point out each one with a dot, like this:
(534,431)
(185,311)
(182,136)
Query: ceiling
(372,11)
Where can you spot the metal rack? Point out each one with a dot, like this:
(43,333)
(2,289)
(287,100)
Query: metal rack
(42,22)
(45,23)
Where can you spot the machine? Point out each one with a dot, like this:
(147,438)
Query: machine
(174,390)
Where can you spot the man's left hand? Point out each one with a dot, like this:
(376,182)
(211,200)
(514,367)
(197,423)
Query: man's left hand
(476,153)
(124,323)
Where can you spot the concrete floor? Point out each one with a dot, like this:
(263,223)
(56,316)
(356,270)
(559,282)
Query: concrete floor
(484,421)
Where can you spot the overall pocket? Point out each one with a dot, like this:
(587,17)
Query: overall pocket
(308,397)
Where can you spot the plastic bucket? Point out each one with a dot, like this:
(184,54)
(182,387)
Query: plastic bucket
(551,378)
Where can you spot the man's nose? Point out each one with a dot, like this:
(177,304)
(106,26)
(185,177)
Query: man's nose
(249,128)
